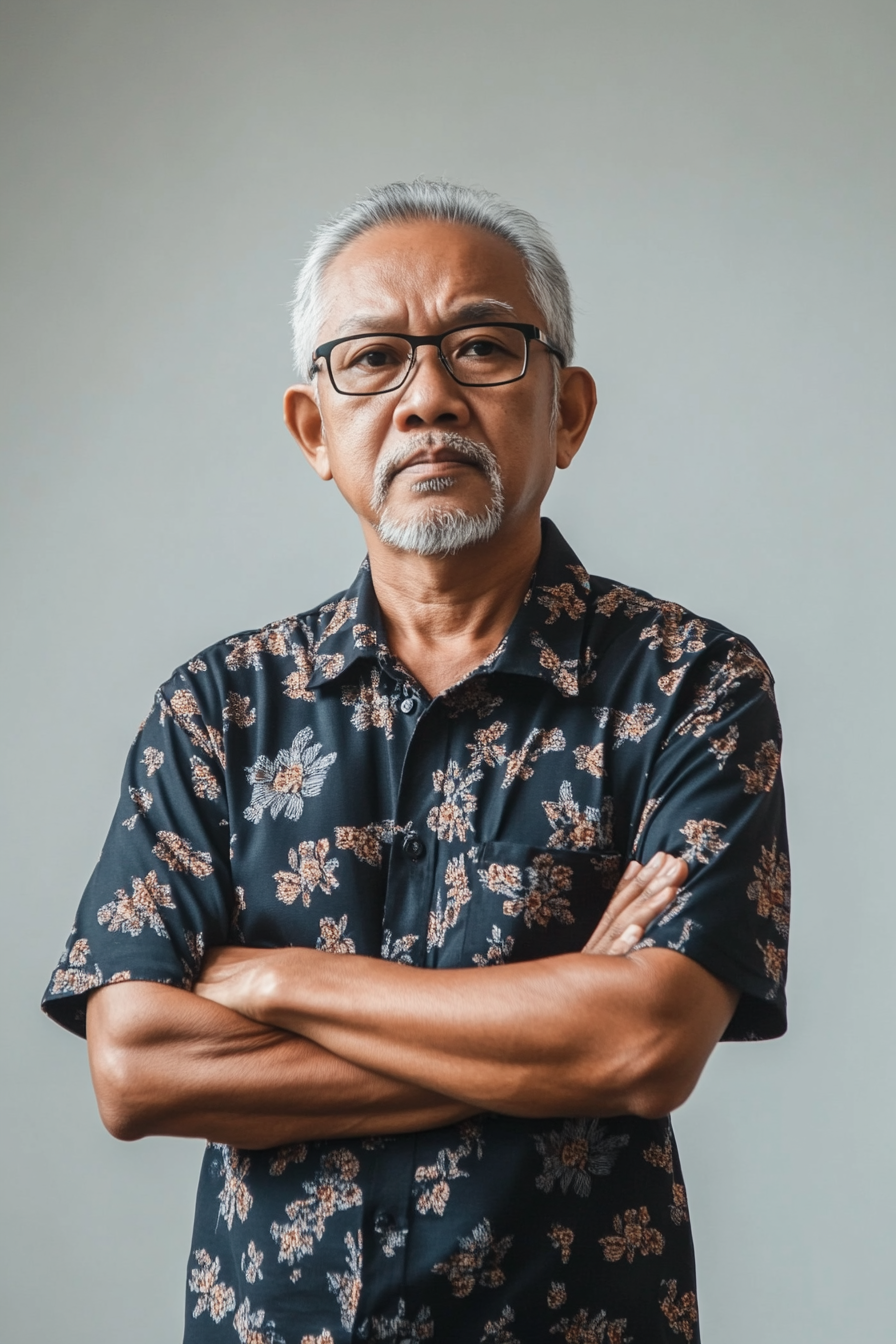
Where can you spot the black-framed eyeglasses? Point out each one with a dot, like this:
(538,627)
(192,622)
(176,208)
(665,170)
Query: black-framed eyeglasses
(486,355)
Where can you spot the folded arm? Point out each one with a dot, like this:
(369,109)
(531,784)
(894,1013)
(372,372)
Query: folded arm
(165,1061)
(574,1035)
(571,1035)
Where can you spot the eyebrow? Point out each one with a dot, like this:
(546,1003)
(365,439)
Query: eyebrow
(479,311)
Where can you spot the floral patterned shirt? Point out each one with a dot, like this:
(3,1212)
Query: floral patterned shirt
(295,786)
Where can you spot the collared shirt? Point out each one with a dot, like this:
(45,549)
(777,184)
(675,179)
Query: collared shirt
(295,786)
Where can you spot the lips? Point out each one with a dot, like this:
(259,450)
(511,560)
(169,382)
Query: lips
(435,457)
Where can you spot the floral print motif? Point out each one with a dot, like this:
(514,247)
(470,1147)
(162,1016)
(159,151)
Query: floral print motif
(333,1190)
(760,777)
(130,914)
(251,1261)
(560,600)
(238,710)
(153,759)
(72,978)
(399,1329)
(724,747)
(632,1235)
(680,1312)
(347,1286)
(180,856)
(771,889)
(282,785)
(499,949)
(578,828)
(398,949)
(521,764)
(628,727)
(485,826)
(477,1261)
(213,1296)
(584,1328)
(499,1331)
(457,893)
(557,1295)
(372,709)
(248,1325)
(591,759)
(575,1153)
(235,1199)
(674,630)
(452,818)
(309,869)
(205,781)
(142,800)
(332,936)
(366,842)
(432,1182)
(563,671)
(562,1239)
(537,895)
(703,840)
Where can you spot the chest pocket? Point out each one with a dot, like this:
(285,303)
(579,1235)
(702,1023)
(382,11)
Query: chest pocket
(528,903)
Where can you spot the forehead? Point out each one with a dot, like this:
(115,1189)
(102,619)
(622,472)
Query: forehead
(423,271)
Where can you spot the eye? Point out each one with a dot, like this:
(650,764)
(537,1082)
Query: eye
(375,357)
(482,347)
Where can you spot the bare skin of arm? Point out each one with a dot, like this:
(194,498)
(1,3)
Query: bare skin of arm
(165,1061)
(569,1035)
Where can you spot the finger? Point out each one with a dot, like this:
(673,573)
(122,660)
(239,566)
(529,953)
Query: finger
(628,939)
(635,892)
(604,941)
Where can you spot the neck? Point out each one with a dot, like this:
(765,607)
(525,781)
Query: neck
(444,614)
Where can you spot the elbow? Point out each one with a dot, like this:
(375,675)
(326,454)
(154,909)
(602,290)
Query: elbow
(661,1080)
(652,1076)
(117,1094)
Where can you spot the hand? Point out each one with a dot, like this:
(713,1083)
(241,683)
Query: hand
(234,977)
(644,891)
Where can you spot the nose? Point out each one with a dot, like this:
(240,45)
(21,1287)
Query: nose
(430,397)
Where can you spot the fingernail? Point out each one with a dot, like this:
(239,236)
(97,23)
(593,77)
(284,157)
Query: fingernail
(655,863)
(631,935)
(631,869)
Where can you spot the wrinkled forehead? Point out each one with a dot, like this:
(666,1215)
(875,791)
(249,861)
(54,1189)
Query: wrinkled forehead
(424,275)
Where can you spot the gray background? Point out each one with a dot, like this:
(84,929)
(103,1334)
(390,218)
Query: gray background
(719,180)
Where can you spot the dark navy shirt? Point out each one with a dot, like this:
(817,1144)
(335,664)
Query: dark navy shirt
(296,787)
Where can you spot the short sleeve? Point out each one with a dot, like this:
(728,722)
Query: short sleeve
(161,892)
(716,799)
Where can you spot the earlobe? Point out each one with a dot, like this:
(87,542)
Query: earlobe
(578,401)
(302,416)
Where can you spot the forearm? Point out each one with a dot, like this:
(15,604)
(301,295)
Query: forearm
(168,1062)
(567,1035)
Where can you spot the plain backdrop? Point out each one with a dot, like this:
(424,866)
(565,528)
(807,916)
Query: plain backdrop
(719,179)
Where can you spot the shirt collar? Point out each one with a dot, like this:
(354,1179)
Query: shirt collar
(545,638)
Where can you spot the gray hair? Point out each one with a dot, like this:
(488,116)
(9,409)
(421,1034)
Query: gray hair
(423,199)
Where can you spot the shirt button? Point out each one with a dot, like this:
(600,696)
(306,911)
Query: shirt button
(414,847)
(407,705)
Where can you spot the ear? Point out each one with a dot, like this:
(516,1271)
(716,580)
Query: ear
(303,420)
(577,403)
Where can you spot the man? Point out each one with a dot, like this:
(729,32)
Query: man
(539,813)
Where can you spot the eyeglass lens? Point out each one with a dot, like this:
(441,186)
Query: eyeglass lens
(476,356)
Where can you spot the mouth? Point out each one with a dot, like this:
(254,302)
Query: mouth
(434,462)
(430,463)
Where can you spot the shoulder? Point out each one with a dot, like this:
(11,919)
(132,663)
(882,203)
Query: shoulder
(217,681)
(667,635)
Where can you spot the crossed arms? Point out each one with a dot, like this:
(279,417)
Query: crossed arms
(281,1045)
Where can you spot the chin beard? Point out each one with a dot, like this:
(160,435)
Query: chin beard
(441,530)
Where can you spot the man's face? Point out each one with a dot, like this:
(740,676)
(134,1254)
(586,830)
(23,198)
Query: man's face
(433,449)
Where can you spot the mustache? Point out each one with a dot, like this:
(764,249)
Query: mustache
(392,462)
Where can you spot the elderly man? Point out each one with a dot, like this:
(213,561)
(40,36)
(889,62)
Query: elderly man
(538,813)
